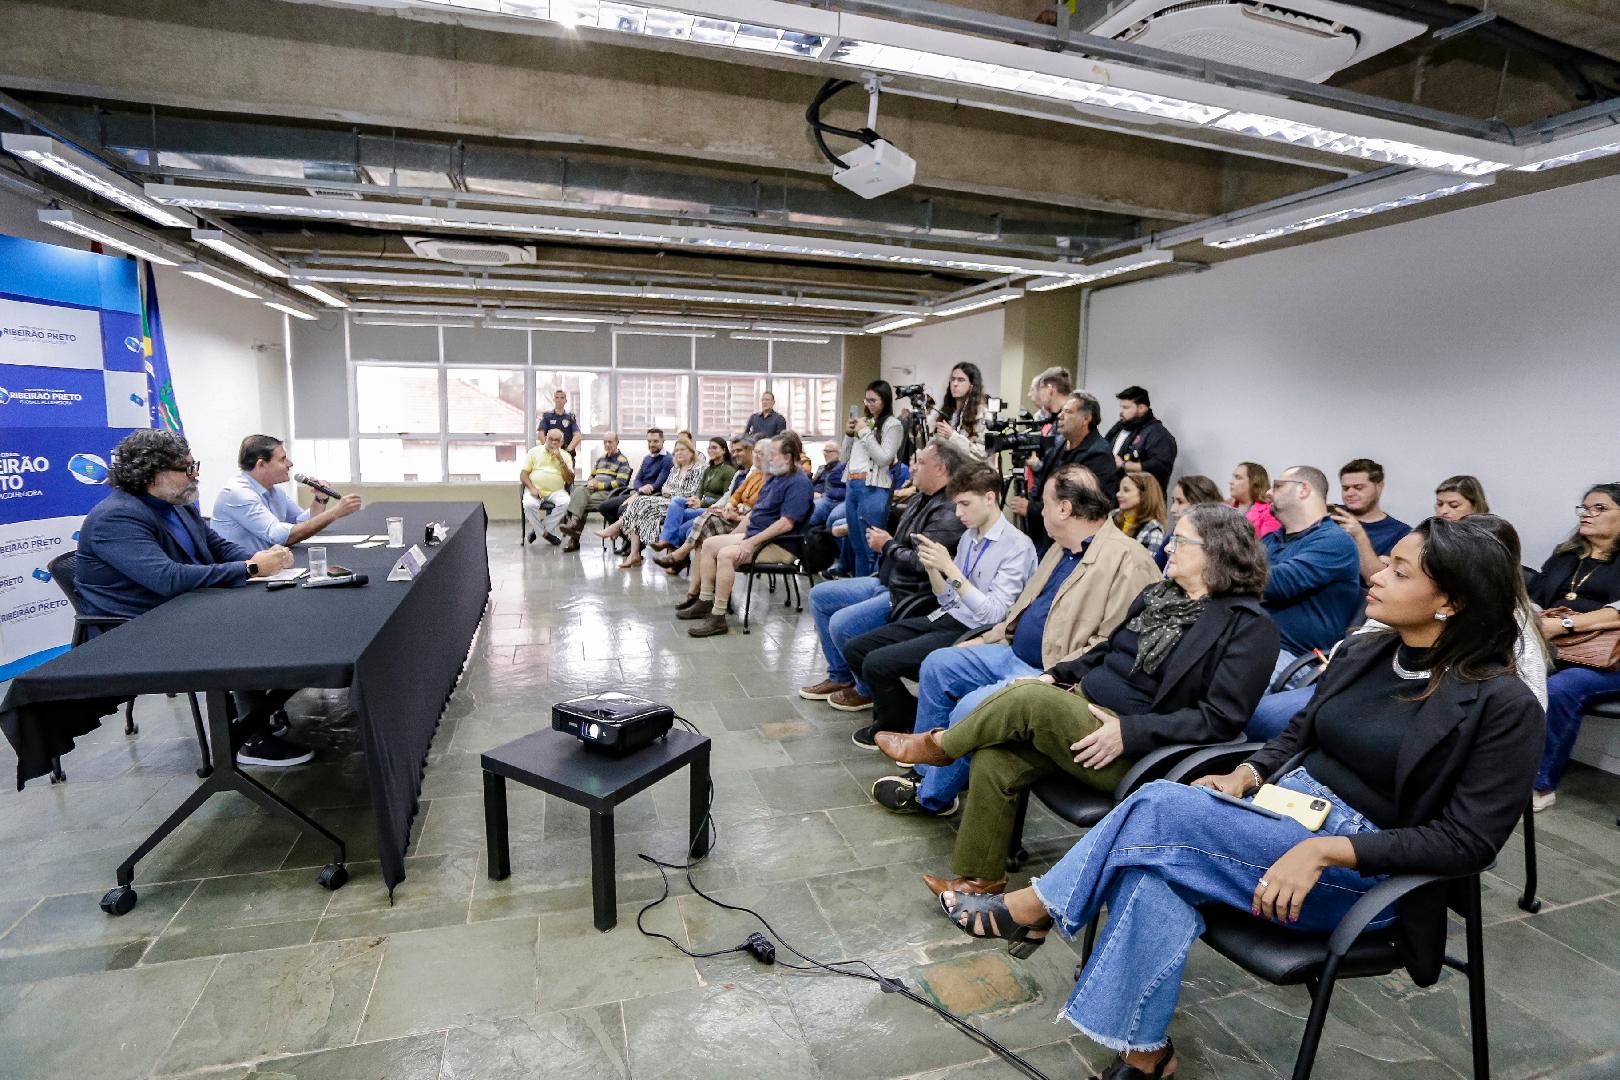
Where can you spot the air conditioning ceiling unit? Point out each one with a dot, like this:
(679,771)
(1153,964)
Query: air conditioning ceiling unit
(471,252)
(1300,39)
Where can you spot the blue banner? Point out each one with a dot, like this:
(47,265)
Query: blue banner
(77,374)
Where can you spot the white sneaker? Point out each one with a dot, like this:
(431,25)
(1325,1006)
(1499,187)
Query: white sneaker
(1542,800)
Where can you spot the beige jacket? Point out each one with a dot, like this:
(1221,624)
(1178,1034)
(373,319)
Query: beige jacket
(1092,602)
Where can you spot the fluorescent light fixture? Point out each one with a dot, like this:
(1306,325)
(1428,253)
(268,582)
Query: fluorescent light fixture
(239,251)
(325,296)
(1393,151)
(1357,202)
(131,243)
(1597,143)
(410,320)
(883,326)
(651,22)
(218,280)
(1087,274)
(92,175)
(870,55)
(791,328)
(958,59)
(631,331)
(362,277)
(547,317)
(540,327)
(691,324)
(295,312)
(781,337)
(378,212)
(974,303)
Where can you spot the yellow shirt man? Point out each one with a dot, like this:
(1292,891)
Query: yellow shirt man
(547,471)
(545,468)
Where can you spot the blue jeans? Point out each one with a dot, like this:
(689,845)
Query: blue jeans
(1152,862)
(868,507)
(823,510)
(1274,712)
(844,610)
(950,685)
(1568,693)
(678,521)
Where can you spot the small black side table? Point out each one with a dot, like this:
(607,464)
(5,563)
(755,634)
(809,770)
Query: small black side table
(560,765)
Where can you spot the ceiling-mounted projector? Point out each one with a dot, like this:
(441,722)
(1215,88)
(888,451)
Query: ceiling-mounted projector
(874,169)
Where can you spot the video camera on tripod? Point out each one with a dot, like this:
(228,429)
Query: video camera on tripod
(917,427)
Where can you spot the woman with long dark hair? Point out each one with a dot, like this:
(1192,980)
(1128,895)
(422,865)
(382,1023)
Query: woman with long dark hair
(1423,743)
(1578,589)
(1250,488)
(871,443)
(712,487)
(960,417)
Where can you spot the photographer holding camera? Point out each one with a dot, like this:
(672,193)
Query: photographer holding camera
(871,443)
(1079,445)
(959,420)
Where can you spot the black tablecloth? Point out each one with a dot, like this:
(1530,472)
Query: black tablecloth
(398,646)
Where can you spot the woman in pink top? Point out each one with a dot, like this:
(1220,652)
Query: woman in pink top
(1249,489)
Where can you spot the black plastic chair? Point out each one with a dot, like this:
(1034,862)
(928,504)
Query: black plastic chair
(64,571)
(789,572)
(1286,957)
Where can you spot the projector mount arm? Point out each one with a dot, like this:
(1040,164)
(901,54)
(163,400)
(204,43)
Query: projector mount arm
(821,130)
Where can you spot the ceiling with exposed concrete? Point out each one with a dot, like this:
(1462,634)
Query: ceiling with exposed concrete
(674,174)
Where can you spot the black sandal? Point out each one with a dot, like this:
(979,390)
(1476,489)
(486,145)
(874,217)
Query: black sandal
(1121,1071)
(986,916)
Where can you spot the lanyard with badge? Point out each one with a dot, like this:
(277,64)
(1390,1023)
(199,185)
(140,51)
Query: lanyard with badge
(974,557)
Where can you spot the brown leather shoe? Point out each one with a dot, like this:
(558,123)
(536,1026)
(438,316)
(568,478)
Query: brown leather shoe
(710,626)
(695,611)
(850,700)
(571,543)
(823,690)
(914,749)
(937,885)
(692,600)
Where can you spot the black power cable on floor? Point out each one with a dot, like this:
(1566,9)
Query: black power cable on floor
(763,949)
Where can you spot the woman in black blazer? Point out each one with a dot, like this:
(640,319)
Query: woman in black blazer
(1422,742)
(1188,665)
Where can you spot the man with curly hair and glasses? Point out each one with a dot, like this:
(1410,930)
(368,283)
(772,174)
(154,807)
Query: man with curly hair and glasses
(147,542)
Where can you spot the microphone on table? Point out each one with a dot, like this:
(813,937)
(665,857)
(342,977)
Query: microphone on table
(347,581)
(316,485)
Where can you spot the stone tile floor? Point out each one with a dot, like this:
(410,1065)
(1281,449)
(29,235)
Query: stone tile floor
(235,964)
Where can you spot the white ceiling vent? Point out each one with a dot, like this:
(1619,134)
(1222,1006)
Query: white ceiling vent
(1301,39)
(471,253)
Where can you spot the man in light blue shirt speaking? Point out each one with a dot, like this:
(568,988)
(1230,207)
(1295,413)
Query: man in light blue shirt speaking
(253,511)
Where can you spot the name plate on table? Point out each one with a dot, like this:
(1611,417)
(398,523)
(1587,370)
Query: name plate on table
(409,565)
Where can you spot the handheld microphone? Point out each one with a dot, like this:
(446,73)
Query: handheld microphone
(316,485)
(350,581)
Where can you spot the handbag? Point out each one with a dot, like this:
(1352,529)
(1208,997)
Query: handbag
(1599,649)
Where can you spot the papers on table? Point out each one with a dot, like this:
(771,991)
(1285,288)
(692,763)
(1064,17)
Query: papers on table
(292,573)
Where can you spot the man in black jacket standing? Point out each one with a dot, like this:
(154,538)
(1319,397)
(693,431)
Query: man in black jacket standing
(1140,441)
(846,608)
(1079,445)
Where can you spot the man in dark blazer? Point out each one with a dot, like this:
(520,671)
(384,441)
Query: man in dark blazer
(1075,442)
(146,542)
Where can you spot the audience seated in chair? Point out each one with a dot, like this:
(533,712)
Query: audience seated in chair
(1274,712)
(782,509)
(609,477)
(1458,497)
(1314,588)
(1421,742)
(1187,667)
(650,477)
(1142,515)
(643,517)
(1079,594)
(1191,490)
(828,484)
(547,472)
(746,484)
(1250,491)
(1362,517)
(1578,589)
(848,608)
(713,485)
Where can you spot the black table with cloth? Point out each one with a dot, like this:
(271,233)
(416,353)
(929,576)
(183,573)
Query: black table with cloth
(399,648)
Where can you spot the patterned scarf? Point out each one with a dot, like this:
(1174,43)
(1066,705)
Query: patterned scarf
(1160,624)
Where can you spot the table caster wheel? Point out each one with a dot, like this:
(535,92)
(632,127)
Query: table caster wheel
(119,900)
(333,876)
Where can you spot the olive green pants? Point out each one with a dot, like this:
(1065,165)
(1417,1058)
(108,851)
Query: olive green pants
(1017,737)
